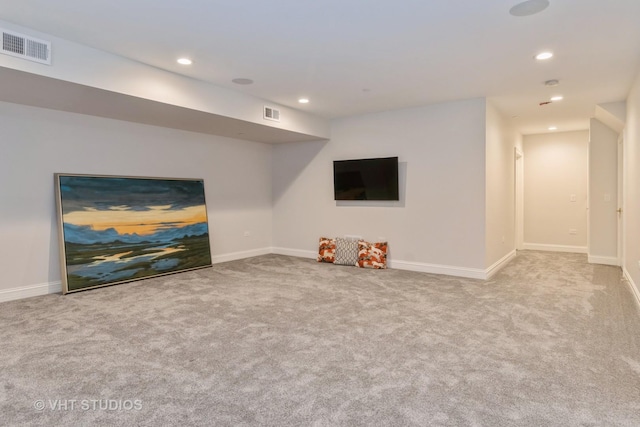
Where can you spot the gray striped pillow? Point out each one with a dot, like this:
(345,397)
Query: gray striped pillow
(346,252)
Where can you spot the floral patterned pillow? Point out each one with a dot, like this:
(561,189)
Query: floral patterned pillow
(372,255)
(327,250)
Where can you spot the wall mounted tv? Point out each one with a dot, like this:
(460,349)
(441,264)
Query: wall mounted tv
(366,179)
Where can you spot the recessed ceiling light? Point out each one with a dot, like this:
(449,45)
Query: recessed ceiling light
(185,61)
(557,98)
(544,55)
(242,81)
(553,128)
(303,100)
(552,83)
(529,7)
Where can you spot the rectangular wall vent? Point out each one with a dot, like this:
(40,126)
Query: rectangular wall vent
(271,113)
(25,47)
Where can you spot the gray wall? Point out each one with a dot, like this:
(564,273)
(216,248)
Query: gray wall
(555,169)
(603,194)
(35,143)
(632,188)
(500,186)
(440,220)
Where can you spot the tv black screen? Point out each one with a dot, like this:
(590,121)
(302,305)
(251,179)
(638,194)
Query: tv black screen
(366,179)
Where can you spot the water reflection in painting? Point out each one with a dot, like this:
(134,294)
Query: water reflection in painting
(118,229)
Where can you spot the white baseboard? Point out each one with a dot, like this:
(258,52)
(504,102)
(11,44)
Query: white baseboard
(295,252)
(421,267)
(606,260)
(448,270)
(473,273)
(634,288)
(56,287)
(500,264)
(30,291)
(216,259)
(554,248)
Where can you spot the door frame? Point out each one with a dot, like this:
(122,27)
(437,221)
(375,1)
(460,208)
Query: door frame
(621,211)
(519,197)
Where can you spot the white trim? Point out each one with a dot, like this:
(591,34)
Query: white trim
(555,248)
(472,273)
(621,187)
(56,287)
(606,260)
(634,289)
(295,252)
(449,270)
(240,255)
(30,291)
(499,265)
(519,198)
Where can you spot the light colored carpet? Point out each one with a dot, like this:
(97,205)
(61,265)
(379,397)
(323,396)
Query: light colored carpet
(283,341)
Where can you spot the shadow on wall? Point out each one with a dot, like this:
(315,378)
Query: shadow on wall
(287,168)
(54,248)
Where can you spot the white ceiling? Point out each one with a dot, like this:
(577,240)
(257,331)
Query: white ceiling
(357,56)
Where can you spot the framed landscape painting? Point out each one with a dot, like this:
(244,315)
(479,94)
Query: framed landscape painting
(116,229)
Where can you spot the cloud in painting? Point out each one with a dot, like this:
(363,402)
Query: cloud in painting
(135,194)
(140,206)
(137,221)
(82,234)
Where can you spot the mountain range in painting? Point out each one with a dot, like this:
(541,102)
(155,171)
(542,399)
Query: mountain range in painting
(85,235)
(117,229)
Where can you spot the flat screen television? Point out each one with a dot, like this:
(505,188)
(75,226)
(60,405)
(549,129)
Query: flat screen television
(366,179)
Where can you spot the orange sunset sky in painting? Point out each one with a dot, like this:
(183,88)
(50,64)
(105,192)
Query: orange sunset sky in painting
(127,221)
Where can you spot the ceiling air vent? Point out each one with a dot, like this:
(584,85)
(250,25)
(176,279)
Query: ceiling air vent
(26,47)
(271,113)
